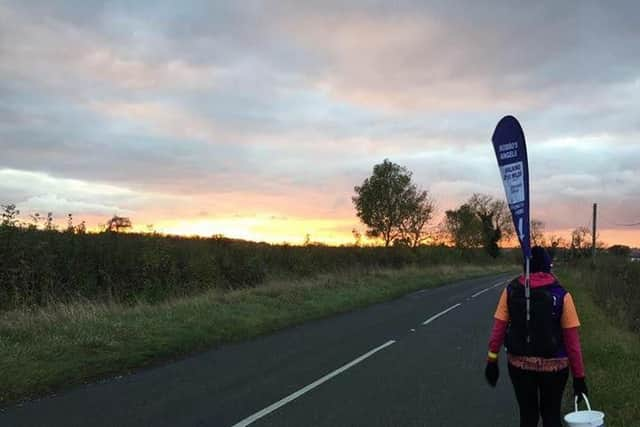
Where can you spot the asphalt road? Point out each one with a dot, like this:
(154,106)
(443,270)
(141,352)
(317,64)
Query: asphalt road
(380,366)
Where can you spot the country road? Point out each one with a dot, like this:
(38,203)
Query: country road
(414,361)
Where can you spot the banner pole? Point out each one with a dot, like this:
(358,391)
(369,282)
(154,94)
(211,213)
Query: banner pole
(527,295)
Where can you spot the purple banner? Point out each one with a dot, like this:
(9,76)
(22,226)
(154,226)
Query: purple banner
(511,153)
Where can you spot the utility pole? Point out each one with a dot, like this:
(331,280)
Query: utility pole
(593,234)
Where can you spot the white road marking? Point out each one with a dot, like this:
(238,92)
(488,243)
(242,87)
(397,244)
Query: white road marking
(481,292)
(311,386)
(495,285)
(442,313)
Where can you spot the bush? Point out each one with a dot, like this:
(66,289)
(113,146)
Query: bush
(242,269)
(38,267)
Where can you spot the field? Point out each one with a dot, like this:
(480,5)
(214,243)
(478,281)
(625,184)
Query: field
(82,307)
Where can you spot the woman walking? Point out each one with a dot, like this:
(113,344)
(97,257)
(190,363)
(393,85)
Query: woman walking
(540,351)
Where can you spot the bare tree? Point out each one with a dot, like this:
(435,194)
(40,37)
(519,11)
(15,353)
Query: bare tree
(581,238)
(70,227)
(357,237)
(81,228)
(48,222)
(537,232)
(9,215)
(118,224)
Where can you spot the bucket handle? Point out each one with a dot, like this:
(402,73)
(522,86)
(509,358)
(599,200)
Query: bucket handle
(584,396)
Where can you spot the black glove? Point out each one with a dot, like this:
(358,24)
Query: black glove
(491,373)
(579,388)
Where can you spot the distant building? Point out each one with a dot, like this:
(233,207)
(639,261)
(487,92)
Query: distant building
(635,255)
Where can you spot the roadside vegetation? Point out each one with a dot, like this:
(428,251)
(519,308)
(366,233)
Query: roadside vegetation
(608,302)
(46,348)
(43,262)
(42,267)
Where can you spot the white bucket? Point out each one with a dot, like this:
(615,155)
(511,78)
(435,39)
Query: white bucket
(587,418)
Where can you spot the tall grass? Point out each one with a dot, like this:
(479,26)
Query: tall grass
(607,300)
(40,267)
(614,283)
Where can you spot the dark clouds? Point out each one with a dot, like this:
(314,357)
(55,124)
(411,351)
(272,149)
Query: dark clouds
(206,99)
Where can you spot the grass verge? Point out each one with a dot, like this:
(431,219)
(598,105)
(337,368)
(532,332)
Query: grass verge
(611,353)
(66,344)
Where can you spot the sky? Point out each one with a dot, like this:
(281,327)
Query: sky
(256,119)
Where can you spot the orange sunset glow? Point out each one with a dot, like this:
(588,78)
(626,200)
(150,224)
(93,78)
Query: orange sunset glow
(256,122)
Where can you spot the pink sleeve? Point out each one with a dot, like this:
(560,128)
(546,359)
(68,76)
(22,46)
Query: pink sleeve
(497,335)
(572,344)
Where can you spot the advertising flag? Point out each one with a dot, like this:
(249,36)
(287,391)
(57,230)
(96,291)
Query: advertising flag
(511,153)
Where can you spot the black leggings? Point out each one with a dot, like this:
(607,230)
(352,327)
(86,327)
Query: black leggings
(539,393)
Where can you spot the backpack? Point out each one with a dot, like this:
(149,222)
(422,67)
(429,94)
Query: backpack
(544,328)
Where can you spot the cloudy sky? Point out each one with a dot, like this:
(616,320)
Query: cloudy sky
(256,119)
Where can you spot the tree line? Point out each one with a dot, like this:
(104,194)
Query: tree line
(10,217)
(399,213)
(396,211)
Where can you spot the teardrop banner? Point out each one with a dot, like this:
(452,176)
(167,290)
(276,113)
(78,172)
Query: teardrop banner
(511,153)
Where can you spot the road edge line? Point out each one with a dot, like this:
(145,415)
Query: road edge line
(252,418)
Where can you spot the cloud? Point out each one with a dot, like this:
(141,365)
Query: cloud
(438,57)
(38,192)
(279,109)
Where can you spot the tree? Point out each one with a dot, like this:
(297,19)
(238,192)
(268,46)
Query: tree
(495,218)
(420,213)
(117,224)
(48,222)
(481,221)
(537,232)
(581,238)
(555,242)
(81,228)
(620,250)
(70,227)
(390,205)
(463,227)
(9,215)
(580,242)
(357,237)
(35,221)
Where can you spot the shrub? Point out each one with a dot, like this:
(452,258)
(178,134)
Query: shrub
(38,266)
(242,269)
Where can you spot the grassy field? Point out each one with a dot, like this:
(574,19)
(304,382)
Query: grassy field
(41,267)
(611,347)
(47,348)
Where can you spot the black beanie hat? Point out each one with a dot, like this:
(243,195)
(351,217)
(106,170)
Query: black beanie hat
(540,260)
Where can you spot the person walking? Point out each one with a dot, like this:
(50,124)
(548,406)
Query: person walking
(539,352)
